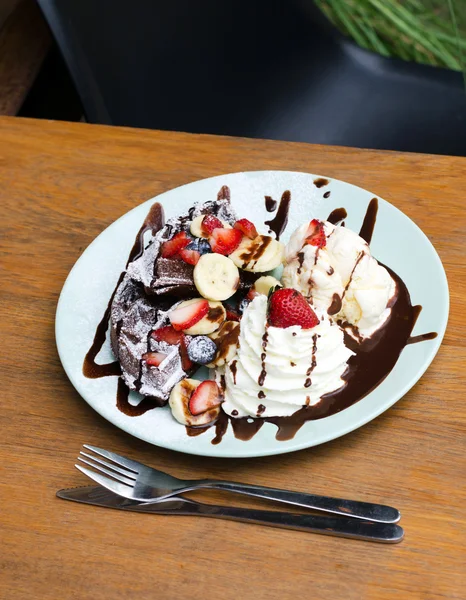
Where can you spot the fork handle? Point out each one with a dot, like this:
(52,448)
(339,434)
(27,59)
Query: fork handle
(388,533)
(378,513)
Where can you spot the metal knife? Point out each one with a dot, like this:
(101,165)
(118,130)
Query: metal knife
(388,533)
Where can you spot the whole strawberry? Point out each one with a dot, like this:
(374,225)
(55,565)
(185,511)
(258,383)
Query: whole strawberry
(287,307)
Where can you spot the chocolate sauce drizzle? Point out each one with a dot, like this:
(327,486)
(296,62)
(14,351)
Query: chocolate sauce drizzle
(335,306)
(308,381)
(263,372)
(337,215)
(368,224)
(131,410)
(270,204)
(300,262)
(91,369)
(422,338)
(280,221)
(321,182)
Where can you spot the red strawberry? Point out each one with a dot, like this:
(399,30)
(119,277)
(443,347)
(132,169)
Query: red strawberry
(173,337)
(190,256)
(186,362)
(188,315)
(173,246)
(167,334)
(288,307)
(232,315)
(206,396)
(316,234)
(153,359)
(225,241)
(246,227)
(252,294)
(209,223)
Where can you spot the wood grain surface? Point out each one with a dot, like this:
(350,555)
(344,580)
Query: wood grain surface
(60,186)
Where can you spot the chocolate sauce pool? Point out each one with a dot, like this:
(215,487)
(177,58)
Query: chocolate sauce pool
(373,360)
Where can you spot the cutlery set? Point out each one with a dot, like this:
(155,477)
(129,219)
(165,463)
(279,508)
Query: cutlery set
(128,485)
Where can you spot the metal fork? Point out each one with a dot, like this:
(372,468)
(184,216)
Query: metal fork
(131,479)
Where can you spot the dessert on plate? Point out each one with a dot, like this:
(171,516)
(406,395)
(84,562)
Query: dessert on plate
(204,290)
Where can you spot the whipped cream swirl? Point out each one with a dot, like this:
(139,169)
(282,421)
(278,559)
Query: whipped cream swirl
(277,371)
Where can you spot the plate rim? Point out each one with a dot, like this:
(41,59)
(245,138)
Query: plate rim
(290,447)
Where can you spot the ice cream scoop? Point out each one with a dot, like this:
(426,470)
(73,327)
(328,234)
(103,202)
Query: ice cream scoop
(340,278)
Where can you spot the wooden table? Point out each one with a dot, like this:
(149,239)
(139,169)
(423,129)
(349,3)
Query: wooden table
(60,185)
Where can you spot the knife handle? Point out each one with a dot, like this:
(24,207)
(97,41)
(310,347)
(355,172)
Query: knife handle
(388,533)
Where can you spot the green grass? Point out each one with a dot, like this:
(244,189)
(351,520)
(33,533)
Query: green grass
(425,31)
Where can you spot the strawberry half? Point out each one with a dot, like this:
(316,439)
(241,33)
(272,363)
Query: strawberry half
(173,246)
(190,256)
(153,359)
(232,315)
(225,241)
(252,294)
(188,315)
(206,396)
(316,234)
(209,223)
(167,334)
(246,227)
(171,336)
(287,307)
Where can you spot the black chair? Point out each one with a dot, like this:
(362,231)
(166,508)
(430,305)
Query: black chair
(255,68)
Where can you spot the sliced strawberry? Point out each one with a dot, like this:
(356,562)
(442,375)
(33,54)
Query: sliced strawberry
(252,294)
(225,241)
(188,315)
(167,334)
(287,307)
(153,359)
(206,396)
(246,227)
(209,223)
(186,362)
(232,315)
(316,234)
(173,246)
(190,256)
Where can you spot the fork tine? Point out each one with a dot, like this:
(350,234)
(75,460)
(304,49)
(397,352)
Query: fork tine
(116,476)
(125,472)
(110,484)
(116,458)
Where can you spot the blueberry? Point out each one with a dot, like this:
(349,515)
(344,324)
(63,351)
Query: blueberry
(204,246)
(202,350)
(194,245)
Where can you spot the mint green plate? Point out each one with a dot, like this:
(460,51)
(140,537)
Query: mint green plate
(397,242)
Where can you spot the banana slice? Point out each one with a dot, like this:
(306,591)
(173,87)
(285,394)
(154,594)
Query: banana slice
(259,255)
(211,322)
(179,400)
(196,229)
(226,340)
(216,277)
(264,284)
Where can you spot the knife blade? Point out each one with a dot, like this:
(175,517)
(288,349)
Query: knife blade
(390,533)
